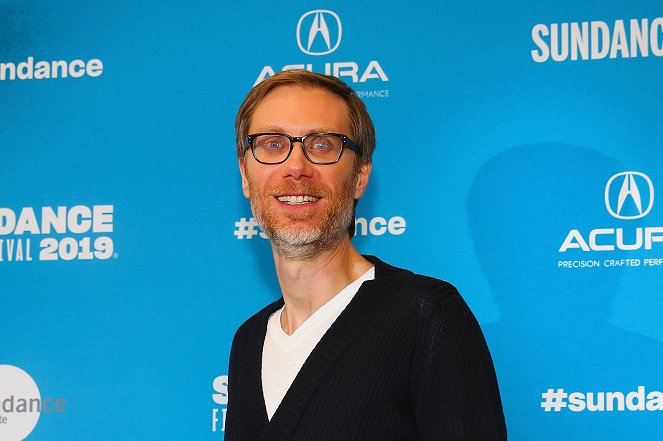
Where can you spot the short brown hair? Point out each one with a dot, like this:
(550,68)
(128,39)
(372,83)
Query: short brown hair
(363,132)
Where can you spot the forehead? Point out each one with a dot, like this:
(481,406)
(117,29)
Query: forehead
(298,110)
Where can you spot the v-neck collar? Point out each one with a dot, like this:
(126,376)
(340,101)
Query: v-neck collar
(357,315)
(323,315)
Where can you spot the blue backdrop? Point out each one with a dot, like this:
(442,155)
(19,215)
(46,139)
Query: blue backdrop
(519,153)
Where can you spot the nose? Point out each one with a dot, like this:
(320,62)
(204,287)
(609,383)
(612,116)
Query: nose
(297,166)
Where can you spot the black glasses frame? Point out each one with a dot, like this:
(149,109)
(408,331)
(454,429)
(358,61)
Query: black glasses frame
(345,141)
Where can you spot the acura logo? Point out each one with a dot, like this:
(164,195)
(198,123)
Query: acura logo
(319,32)
(635,196)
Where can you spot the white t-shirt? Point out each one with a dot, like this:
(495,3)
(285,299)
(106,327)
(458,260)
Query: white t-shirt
(283,355)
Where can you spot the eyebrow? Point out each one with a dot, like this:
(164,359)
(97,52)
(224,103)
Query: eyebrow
(277,129)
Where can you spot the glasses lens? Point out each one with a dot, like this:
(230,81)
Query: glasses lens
(271,148)
(323,148)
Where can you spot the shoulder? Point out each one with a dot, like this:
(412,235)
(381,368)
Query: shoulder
(427,292)
(436,305)
(443,324)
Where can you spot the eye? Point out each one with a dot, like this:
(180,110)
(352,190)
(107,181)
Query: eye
(271,142)
(319,144)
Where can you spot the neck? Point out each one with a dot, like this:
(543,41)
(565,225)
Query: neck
(309,284)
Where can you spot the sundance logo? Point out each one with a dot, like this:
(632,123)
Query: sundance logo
(597,40)
(21,403)
(42,70)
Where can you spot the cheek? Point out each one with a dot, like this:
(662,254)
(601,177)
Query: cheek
(251,179)
(257,185)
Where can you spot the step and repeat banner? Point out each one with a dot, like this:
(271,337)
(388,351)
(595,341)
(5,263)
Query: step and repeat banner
(519,155)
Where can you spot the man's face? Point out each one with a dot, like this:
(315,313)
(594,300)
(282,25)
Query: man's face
(304,208)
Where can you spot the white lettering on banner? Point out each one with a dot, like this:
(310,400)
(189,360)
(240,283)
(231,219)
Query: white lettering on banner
(628,195)
(247,228)
(220,386)
(379,226)
(345,70)
(578,264)
(597,40)
(40,70)
(215,419)
(610,263)
(647,236)
(77,219)
(634,401)
(324,27)
(69,248)
(91,221)
(383,93)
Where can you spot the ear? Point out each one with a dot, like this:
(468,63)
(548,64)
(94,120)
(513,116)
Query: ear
(362,179)
(245,181)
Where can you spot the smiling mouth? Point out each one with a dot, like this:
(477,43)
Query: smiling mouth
(298,200)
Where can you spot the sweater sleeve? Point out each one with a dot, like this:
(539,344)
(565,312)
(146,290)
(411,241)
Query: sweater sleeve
(455,392)
(233,426)
(245,415)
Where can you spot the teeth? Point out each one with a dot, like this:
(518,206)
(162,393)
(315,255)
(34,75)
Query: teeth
(301,199)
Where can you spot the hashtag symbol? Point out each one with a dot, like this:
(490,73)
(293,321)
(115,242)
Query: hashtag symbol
(554,399)
(246,228)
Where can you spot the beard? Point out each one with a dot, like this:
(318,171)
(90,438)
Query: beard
(304,234)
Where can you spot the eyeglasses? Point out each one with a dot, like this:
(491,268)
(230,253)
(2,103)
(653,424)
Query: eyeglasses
(319,148)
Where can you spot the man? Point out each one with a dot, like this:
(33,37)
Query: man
(356,349)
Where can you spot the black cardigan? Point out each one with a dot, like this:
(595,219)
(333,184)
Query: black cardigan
(405,360)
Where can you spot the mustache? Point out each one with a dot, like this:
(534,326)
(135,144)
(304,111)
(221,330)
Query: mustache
(292,188)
